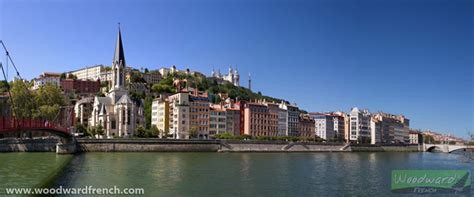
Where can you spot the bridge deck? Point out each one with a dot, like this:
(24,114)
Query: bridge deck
(9,124)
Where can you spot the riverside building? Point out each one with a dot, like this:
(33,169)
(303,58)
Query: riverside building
(360,126)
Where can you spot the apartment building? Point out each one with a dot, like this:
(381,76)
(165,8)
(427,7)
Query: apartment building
(259,121)
(389,128)
(217,120)
(160,115)
(293,116)
(306,126)
(360,121)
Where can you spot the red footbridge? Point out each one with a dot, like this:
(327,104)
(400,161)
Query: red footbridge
(12,125)
(10,122)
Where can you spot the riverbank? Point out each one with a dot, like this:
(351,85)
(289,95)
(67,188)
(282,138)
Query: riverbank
(168,145)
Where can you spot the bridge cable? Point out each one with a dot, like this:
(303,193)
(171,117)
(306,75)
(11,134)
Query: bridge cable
(9,92)
(19,77)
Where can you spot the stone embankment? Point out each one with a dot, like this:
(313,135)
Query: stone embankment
(160,145)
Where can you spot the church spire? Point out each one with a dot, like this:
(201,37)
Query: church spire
(119,55)
(118,64)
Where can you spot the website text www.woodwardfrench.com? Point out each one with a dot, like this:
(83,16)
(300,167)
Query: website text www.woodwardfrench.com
(86,190)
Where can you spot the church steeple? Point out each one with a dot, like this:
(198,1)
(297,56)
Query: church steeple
(119,55)
(118,64)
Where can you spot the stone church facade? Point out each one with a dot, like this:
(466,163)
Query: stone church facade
(116,112)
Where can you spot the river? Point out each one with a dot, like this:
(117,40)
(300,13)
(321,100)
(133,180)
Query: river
(224,174)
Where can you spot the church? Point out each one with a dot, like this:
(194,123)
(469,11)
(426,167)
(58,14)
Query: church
(116,112)
(233,76)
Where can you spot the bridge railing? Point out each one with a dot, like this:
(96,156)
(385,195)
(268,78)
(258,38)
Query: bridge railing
(9,123)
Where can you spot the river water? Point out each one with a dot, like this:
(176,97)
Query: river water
(224,174)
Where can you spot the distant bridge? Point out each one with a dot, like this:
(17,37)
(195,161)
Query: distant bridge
(445,148)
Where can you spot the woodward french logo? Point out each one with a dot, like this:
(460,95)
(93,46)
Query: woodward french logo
(431,181)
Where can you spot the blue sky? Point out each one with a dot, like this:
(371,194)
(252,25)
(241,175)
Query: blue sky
(413,57)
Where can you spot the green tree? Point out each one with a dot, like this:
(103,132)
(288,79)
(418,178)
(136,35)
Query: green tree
(428,139)
(140,131)
(147,111)
(23,100)
(193,132)
(71,76)
(91,131)
(162,88)
(153,131)
(99,130)
(80,128)
(49,100)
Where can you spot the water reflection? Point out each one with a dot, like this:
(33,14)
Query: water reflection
(248,174)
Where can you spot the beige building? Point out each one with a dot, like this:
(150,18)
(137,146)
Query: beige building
(217,120)
(388,128)
(92,73)
(179,115)
(152,77)
(189,113)
(160,115)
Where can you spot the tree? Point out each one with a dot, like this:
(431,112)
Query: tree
(63,76)
(140,131)
(165,133)
(71,76)
(153,131)
(136,77)
(428,139)
(23,100)
(193,132)
(91,131)
(100,130)
(162,88)
(147,111)
(49,100)
(80,128)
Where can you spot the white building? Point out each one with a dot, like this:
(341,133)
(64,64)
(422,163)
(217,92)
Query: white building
(117,113)
(47,77)
(324,125)
(164,72)
(282,122)
(232,77)
(360,126)
(92,73)
(292,118)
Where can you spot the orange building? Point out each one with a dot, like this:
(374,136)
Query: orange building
(199,114)
(260,119)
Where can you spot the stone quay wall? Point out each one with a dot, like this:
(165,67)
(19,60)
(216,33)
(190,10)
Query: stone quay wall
(28,145)
(278,146)
(168,145)
(146,145)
